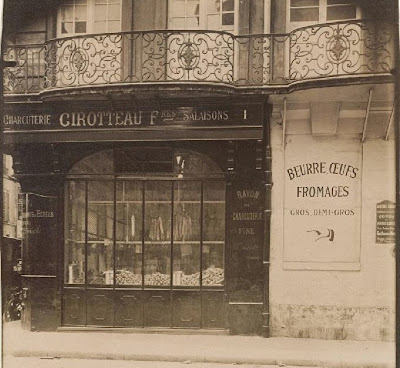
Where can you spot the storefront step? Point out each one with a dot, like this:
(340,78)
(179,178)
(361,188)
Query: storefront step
(170,331)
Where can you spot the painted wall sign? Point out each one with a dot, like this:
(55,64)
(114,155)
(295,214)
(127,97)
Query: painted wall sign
(322,204)
(44,117)
(385,222)
(247,234)
(39,233)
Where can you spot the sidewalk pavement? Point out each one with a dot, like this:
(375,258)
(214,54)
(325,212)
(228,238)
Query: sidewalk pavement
(175,347)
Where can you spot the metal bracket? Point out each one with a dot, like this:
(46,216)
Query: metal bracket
(367,116)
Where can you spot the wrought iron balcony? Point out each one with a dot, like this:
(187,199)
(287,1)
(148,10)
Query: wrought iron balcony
(320,51)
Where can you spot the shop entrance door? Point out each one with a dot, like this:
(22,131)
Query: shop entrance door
(146,251)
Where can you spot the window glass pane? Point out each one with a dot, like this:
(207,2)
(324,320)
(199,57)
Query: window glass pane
(340,2)
(100,232)
(213,234)
(100,2)
(187,209)
(228,5)
(177,23)
(100,27)
(213,21)
(114,26)
(304,15)
(67,13)
(80,27)
(80,1)
(177,8)
(101,191)
(129,211)
(66,27)
(299,3)
(100,12)
(114,12)
(100,221)
(228,19)
(80,12)
(190,164)
(192,22)
(128,250)
(213,6)
(341,12)
(98,163)
(157,233)
(128,264)
(100,263)
(192,8)
(74,256)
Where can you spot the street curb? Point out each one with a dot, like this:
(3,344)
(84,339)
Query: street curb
(198,359)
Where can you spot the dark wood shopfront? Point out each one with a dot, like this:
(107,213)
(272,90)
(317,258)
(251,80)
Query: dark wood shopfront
(144,217)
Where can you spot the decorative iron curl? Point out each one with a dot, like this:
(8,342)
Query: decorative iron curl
(318,51)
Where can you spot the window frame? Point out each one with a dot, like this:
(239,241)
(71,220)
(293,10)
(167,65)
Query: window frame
(203,14)
(188,167)
(323,7)
(90,18)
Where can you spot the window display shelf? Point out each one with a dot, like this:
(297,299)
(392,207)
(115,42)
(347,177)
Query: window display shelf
(221,242)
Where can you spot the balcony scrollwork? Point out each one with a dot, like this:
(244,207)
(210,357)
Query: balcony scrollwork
(319,51)
(340,49)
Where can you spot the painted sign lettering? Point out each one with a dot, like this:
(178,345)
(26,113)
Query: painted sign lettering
(385,222)
(322,204)
(17,118)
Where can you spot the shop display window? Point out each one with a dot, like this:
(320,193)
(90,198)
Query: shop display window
(157,234)
(128,249)
(213,233)
(100,220)
(187,210)
(146,232)
(75,233)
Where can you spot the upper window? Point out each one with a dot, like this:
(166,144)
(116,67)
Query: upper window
(319,11)
(218,15)
(89,16)
(340,10)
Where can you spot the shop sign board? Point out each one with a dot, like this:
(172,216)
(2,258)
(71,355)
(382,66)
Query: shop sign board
(322,210)
(385,222)
(39,233)
(247,239)
(44,117)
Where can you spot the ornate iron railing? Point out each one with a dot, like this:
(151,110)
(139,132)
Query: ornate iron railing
(341,49)
(326,50)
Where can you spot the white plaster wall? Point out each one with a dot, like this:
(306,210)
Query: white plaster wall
(373,285)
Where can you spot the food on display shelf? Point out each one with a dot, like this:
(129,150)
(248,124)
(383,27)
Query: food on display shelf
(124,277)
(157,279)
(213,276)
(190,280)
